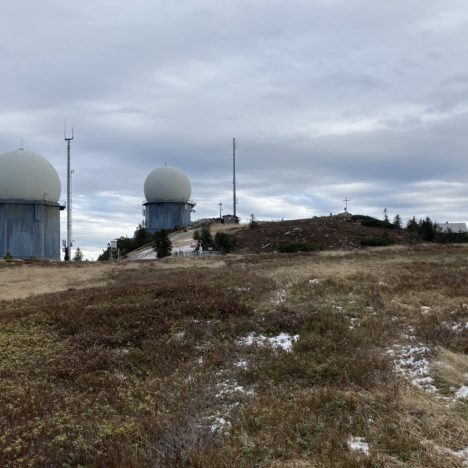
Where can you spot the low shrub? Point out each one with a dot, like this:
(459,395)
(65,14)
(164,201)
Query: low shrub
(369,221)
(377,242)
(292,247)
(224,242)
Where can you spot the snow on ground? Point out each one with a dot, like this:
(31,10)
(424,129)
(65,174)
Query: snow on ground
(279,297)
(460,454)
(411,361)
(242,364)
(220,424)
(282,341)
(462,393)
(354,322)
(229,397)
(456,326)
(314,281)
(358,444)
(232,388)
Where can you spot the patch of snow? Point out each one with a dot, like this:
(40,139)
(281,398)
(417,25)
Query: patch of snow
(354,322)
(369,308)
(314,281)
(179,336)
(410,361)
(220,424)
(456,326)
(425,310)
(358,444)
(279,297)
(282,341)
(462,393)
(461,454)
(230,388)
(242,364)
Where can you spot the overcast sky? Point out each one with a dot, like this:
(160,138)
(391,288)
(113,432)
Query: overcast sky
(327,99)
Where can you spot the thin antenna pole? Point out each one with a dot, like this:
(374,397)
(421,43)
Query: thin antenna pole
(234,196)
(69,208)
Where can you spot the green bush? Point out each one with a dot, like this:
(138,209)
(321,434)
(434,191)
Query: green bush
(8,256)
(451,237)
(369,221)
(225,243)
(377,242)
(291,247)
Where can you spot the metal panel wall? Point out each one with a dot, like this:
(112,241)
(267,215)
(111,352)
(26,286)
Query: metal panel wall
(166,215)
(30,230)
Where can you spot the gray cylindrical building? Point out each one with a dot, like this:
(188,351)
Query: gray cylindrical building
(167,192)
(29,209)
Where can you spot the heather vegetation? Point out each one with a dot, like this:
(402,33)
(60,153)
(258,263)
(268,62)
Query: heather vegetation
(270,360)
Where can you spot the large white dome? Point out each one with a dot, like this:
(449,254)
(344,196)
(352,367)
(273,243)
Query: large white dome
(25,175)
(167,184)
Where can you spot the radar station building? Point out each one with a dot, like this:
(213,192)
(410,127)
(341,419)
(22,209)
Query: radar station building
(167,193)
(29,209)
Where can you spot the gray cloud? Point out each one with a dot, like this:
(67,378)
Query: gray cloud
(327,99)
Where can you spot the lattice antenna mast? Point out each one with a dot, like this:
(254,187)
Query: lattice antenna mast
(68,247)
(234,196)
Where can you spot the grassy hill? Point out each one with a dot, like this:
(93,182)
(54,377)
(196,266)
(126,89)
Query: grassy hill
(326,232)
(321,359)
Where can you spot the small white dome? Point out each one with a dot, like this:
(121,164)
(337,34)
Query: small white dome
(25,175)
(167,184)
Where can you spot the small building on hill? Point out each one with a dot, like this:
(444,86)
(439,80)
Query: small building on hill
(230,219)
(452,227)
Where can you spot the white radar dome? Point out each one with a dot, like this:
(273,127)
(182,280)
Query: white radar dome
(167,184)
(25,175)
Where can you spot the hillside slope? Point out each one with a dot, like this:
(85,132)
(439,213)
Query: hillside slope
(327,232)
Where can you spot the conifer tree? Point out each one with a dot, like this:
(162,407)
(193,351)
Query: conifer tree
(397,222)
(162,244)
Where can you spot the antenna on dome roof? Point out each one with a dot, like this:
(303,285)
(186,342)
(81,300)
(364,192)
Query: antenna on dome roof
(68,245)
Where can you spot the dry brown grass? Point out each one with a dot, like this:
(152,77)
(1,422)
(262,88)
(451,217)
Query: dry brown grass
(19,281)
(138,370)
(451,368)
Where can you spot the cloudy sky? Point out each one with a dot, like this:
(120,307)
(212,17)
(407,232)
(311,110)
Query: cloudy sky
(327,99)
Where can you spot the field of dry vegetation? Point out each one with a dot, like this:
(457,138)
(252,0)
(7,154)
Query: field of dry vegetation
(324,359)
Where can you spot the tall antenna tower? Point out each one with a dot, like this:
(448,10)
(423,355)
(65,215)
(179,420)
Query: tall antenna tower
(68,246)
(234,196)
